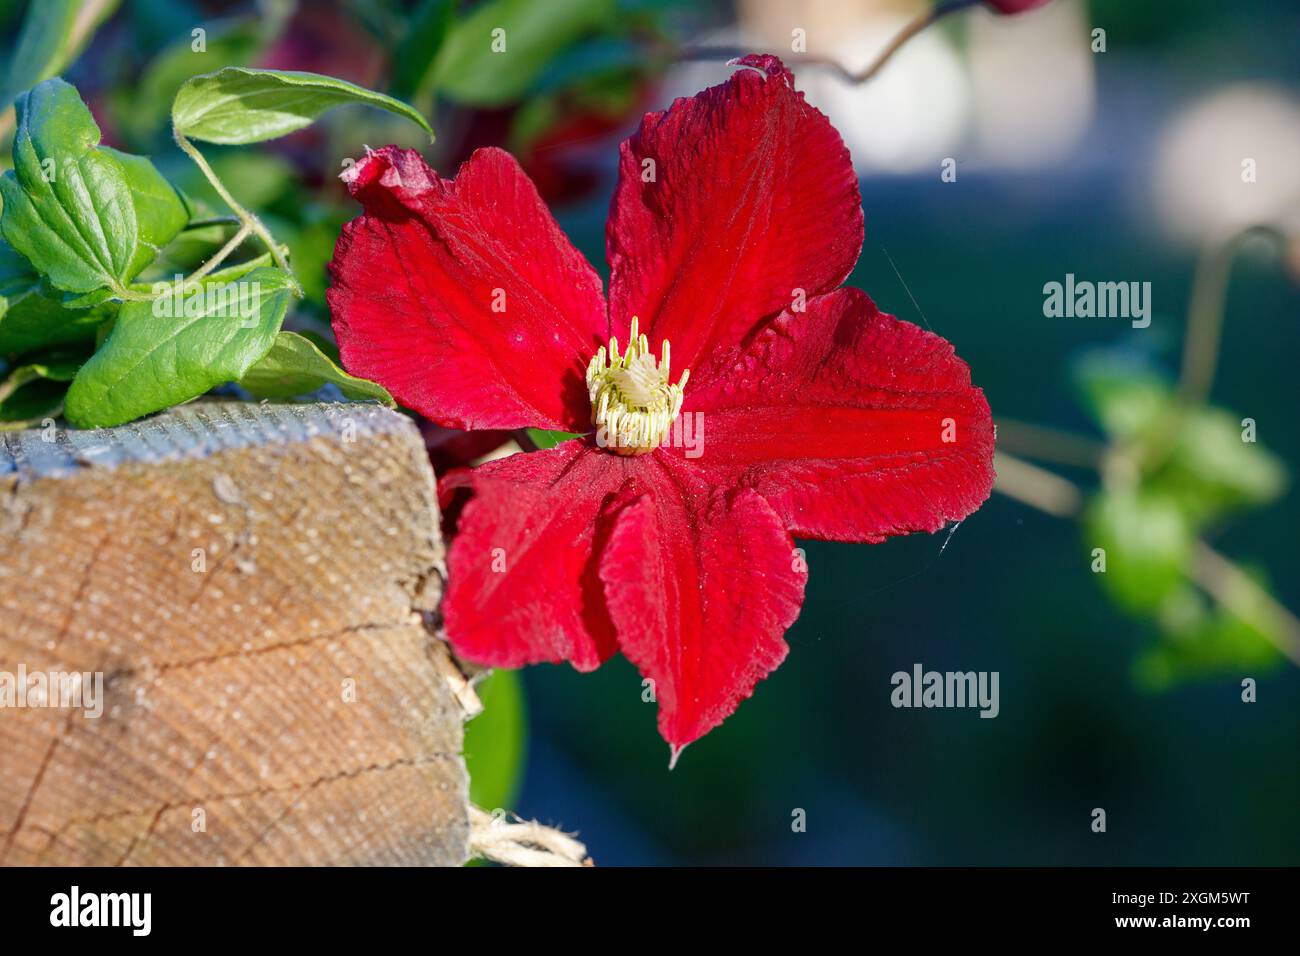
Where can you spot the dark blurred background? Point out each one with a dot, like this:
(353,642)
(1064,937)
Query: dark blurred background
(1114,165)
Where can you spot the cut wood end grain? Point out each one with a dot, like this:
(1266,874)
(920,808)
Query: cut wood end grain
(249,582)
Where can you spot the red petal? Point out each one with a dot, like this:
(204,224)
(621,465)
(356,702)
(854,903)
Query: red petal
(701,586)
(416,280)
(523,584)
(838,416)
(753,197)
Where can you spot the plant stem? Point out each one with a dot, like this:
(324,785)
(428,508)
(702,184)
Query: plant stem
(1050,444)
(1036,487)
(234,243)
(212,221)
(12,384)
(1205,320)
(1243,596)
(1230,586)
(246,217)
(1206,309)
(1205,314)
(909,31)
(130,295)
(850,76)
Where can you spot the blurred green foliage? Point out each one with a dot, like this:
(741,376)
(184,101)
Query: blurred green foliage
(1210,466)
(1173,472)
(1201,640)
(141,109)
(467,69)
(53,34)
(496,742)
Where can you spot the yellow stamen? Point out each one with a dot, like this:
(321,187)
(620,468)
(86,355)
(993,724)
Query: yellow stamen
(632,404)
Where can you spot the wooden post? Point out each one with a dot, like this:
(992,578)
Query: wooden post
(255,585)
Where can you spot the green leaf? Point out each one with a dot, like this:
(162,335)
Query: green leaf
(1126,397)
(239,105)
(1211,470)
(31,404)
(32,316)
(496,742)
(35,389)
(160,211)
(328,348)
(295,366)
(56,366)
(544,439)
(470,70)
(1148,543)
(1199,641)
(1207,468)
(33,319)
(14,268)
(155,358)
(67,205)
(53,34)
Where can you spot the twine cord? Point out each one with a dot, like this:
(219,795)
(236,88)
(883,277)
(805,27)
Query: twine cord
(510,840)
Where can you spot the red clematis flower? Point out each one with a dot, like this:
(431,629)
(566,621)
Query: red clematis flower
(666,532)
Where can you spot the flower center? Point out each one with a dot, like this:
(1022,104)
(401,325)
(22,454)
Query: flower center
(632,404)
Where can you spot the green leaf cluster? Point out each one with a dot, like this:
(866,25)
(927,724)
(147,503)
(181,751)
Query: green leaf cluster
(1174,473)
(83,225)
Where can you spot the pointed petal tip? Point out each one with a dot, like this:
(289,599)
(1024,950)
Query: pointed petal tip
(352,173)
(765,63)
(675,752)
